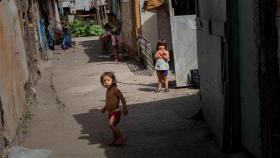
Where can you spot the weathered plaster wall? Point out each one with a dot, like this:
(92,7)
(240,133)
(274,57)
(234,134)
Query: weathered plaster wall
(164,28)
(210,64)
(149,24)
(127,24)
(13,70)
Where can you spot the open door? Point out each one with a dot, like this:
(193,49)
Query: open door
(183,31)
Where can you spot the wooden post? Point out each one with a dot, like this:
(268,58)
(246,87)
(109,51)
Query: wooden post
(98,16)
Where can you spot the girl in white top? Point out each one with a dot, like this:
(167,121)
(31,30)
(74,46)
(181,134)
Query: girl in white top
(162,66)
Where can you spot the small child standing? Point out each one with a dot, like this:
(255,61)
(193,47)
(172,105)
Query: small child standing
(113,98)
(162,66)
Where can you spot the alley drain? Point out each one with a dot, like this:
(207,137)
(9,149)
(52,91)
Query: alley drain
(58,101)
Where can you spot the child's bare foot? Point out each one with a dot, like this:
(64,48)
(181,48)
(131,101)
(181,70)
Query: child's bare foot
(113,143)
(120,141)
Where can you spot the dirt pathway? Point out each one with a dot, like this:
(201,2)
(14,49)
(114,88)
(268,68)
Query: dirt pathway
(67,121)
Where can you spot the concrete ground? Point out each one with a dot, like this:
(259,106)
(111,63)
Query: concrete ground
(67,120)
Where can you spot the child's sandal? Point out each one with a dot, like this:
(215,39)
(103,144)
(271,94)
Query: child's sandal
(166,90)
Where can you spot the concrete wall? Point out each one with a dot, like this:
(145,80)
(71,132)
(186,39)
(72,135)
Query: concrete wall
(127,24)
(249,90)
(164,28)
(209,65)
(149,24)
(13,70)
(209,47)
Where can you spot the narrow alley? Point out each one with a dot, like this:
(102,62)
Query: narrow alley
(201,79)
(67,120)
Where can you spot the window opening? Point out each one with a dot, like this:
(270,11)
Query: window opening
(183,7)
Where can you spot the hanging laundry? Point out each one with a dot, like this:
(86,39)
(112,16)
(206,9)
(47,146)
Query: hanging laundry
(85,5)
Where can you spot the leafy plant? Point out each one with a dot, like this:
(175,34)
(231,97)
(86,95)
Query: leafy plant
(81,28)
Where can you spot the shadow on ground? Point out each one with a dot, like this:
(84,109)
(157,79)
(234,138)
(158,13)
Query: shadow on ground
(149,87)
(93,51)
(165,128)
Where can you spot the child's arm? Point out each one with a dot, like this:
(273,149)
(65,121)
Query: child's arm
(157,55)
(166,55)
(120,95)
(103,110)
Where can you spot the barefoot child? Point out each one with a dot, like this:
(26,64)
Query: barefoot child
(113,98)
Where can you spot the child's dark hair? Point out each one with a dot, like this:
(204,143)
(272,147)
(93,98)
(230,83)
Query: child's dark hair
(111,75)
(162,43)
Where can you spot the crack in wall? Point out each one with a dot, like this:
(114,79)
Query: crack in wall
(1,115)
(3,141)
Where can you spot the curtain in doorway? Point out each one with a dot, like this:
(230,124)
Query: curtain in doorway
(151,4)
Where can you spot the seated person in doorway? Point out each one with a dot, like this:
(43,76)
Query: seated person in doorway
(105,37)
(66,37)
(116,37)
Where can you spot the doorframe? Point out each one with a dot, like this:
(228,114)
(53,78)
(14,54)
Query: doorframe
(232,131)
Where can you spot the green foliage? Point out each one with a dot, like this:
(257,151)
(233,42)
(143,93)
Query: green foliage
(24,130)
(81,28)
(28,115)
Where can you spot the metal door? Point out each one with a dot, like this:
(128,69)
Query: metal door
(184,41)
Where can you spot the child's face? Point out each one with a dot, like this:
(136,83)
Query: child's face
(161,47)
(107,81)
